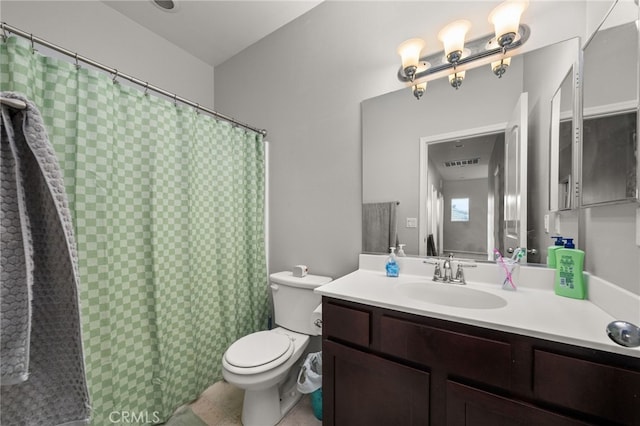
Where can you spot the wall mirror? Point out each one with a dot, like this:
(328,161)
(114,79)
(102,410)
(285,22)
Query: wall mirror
(610,109)
(563,143)
(396,127)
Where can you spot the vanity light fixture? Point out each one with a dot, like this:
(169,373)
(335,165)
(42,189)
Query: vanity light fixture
(458,56)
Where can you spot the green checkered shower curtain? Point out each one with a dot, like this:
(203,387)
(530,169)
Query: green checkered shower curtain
(169,218)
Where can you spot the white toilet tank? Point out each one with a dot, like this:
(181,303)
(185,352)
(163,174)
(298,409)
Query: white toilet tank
(294,300)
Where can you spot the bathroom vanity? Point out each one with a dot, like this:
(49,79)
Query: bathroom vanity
(391,359)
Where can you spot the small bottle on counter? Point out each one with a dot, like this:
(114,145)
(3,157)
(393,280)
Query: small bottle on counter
(392,267)
(569,271)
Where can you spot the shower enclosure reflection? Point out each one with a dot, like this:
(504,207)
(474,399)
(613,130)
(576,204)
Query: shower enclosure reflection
(609,138)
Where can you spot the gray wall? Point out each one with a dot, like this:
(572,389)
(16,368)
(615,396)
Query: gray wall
(610,246)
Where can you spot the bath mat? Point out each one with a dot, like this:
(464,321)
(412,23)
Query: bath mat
(185,417)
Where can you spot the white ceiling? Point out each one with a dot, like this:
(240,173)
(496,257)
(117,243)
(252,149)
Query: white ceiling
(214,30)
(462,149)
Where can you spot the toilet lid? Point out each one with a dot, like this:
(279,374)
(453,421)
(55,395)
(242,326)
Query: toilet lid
(257,349)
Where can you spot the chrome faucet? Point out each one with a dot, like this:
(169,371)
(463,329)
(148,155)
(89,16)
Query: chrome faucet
(447,275)
(444,273)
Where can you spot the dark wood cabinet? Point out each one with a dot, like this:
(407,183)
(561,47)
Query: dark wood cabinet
(383,367)
(369,390)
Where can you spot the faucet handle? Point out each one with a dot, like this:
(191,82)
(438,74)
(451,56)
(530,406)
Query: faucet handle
(460,271)
(437,272)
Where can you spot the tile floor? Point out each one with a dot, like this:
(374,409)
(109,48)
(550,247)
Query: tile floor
(221,405)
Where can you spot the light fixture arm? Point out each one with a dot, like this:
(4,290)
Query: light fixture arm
(483,47)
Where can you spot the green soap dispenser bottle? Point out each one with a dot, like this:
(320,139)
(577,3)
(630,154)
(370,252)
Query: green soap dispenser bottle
(551,251)
(569,266)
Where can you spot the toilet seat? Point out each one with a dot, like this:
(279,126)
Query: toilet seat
(258,352)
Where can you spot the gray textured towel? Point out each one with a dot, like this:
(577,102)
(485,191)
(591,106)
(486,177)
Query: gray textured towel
(379,228)
(42,369)
(16,268)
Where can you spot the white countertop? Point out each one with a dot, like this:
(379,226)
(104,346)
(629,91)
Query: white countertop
(533,310)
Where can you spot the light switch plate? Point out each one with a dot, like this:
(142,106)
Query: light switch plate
(546,223)
(412,222)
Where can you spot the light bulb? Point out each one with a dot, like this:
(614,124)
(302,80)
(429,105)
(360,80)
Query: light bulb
(419,89)
(456,78)
(500,67)
(452,36)
(409,51)
(506,20)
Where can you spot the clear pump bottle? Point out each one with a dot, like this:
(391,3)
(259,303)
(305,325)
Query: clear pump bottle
(392,267)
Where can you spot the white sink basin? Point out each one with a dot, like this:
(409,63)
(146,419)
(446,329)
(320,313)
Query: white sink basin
(455,295)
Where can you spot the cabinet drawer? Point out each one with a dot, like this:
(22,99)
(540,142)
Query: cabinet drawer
(462,355)
(345,323)
(601,390)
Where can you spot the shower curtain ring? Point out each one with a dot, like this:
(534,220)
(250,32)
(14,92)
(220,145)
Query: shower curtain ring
(146,88)
(197,109)
(33,46)
(175,99)
(76,60)
(115,75)
(5,36)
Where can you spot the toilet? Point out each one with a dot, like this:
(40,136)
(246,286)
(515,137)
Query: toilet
(266,363)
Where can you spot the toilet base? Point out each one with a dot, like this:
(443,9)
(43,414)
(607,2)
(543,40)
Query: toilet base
(268,406)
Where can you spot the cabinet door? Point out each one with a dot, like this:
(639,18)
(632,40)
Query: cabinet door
(363,389)
(597,389)
(467,406)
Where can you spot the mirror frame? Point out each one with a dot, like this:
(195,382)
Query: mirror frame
(576,140)
(580,187)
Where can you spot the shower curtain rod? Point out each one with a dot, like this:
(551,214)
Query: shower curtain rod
(117,74)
